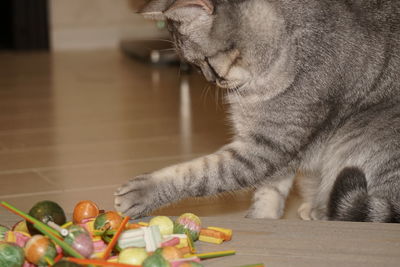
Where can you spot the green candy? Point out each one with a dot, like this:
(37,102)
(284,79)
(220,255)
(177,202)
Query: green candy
(66,264)
(181,229)
(194,264)
(188,223)
(46,211)
(156,260)
(11,255)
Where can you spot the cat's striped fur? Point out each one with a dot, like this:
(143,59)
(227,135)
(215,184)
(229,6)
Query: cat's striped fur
(313,86)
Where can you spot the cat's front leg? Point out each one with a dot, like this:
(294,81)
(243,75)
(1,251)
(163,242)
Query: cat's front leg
(269,199)
(233,167)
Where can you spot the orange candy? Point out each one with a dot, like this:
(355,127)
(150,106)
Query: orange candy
(85,209)
(171,253)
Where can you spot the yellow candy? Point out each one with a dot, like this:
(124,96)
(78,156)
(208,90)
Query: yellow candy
(210,239)
(134,256)
(165,224)
(227,232)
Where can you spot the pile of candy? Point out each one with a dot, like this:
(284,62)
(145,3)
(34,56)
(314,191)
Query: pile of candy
(97,238)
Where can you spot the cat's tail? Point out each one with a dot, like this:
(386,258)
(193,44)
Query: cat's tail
(350,200)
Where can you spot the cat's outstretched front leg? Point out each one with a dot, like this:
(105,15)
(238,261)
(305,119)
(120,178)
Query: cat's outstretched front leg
(233,167)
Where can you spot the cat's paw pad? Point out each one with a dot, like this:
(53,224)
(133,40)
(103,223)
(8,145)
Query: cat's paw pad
(134,198)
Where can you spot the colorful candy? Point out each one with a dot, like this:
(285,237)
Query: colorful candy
(79,239)
(38,248)
(108,220)
(170,253)
(156,260)
(84,210)
(188,222)
(46,211)
(165,224)
(11,255)
(227,232)
(149,237)
(21,227)
(110,240)
(66,264)
(134,256)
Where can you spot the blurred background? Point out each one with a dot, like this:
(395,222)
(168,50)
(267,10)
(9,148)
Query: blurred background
(91,94)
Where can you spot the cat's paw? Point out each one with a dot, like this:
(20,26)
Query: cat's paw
(267,204)
(304,211)
(136,197)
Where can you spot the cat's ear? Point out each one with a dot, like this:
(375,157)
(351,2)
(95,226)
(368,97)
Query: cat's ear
(187,10)
(155,9)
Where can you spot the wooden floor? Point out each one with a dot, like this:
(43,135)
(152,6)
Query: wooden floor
(75,125)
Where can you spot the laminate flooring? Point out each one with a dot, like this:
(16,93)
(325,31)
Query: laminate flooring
(75,125)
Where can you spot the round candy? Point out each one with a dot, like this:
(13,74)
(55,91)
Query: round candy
(165,224)
(108,220)
(79,238)
(134,256)
(156,260)
(38,248)
(66,264)
(11,255)
(171,253)
(188,222)
(84,210)
(46,211)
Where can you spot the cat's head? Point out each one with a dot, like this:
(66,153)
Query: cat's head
(231,41)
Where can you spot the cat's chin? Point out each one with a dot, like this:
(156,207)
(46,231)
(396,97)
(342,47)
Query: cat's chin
(229,85)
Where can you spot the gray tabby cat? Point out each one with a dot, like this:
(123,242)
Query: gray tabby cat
(313,85)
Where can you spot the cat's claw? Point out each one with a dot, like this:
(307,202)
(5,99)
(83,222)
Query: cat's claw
(134,198)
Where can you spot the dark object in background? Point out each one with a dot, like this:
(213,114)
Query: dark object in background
(155,52)
(24,25)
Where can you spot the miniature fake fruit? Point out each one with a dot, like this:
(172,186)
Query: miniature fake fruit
(38,248)
(80,240)
(46,211)
(84,210)
(108,220)
(11,255)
